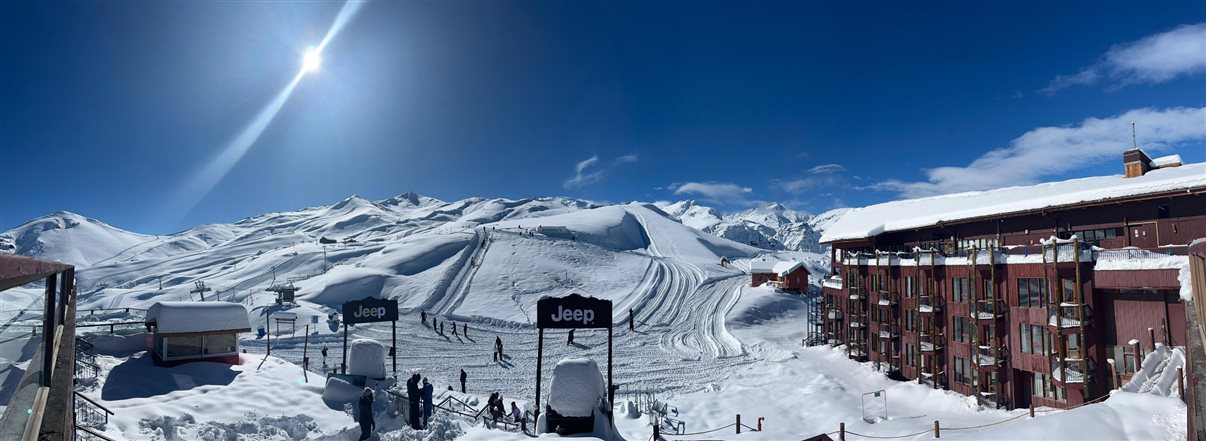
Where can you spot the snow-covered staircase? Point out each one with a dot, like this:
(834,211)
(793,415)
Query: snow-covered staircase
(1158,374)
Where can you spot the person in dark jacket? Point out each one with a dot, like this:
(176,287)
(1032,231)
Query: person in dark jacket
(498,346)
(428,406)
(465,330)
(412,396)
(570,341)
(463,377)
(366,414)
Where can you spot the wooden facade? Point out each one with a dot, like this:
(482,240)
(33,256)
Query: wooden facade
(951,305)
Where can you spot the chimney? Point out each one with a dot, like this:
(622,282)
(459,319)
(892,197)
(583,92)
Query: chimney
(1136,162)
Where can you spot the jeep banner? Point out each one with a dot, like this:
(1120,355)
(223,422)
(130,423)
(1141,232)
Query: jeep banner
(573,311)
(370,310)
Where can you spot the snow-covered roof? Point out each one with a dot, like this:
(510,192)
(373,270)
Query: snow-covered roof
(917,213)
(191,317)
(763,266)
(785,268)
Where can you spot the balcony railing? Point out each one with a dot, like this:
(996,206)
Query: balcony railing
(857,294)
(988,309)
(1065,315)
(834,314)
(928,304)
(887,299)
(889,330)
(987,356)
(1073,370)
(929,343)
(854,323)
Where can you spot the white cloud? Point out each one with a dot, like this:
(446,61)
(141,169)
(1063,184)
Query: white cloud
(721,192)
(824,175)
(1152,59)
(1050,151)
(583,178)
(827,168)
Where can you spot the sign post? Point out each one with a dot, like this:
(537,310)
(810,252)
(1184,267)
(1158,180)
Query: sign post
(369,310)
(573,312)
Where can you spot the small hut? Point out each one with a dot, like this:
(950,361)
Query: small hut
(196,331)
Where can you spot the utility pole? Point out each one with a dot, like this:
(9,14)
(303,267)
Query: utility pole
(1134,139)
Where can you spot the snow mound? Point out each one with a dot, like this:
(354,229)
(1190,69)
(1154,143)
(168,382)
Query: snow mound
(366,357)
(578,388)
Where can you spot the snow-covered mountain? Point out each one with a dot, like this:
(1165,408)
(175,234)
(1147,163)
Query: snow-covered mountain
(770,226)
(69,237)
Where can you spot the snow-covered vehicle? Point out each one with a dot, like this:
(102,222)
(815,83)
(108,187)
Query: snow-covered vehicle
(578,395)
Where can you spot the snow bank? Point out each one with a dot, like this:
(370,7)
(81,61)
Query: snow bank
(578,387)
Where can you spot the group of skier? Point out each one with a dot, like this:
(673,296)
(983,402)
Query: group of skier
(438,326)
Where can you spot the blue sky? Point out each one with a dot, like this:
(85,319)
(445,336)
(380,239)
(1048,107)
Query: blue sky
(113,110)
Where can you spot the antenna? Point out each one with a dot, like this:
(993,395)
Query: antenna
(1134,140)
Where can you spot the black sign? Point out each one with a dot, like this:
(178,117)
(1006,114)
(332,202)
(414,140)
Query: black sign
(370,310)
(573,311)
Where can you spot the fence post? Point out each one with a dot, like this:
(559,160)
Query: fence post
(1138,355)
(842,432)
(937,434)
(1181,383)
(1032,410)
(1151,335)
(739,423)
(656,432)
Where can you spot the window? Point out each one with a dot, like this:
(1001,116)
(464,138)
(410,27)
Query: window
(961,327)
(1072,345)
(1032,293)
(1124,359)
(220,344)
(1026,344)
(909,282)
(1095,236)
(910,354)
(960,288)
(910,320)
(1035,339)
(1044,388)
(1069,290)
(962,367)
(187,346)
(988,292)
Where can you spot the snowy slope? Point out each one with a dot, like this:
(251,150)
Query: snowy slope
(70,238)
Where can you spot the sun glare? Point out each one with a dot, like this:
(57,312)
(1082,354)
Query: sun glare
(312,60)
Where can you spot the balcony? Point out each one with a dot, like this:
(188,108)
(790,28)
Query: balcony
(855,323)
(834,314)
(1066,315)
(886,299)
(928,344)
(929,304)
(857,294)
(889,331)
(988,310)
(1074,372)
(987,358)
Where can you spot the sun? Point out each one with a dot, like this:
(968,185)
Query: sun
(311,61)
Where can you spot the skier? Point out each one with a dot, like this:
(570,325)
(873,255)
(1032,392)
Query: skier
(435,324)
(465,330)
(441,328)
(631,326)
(324,354)
(570,340)
(463,377)
(366,414)
(498,346)
(423,316)
(427,404)
(412,395)
(453,328)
